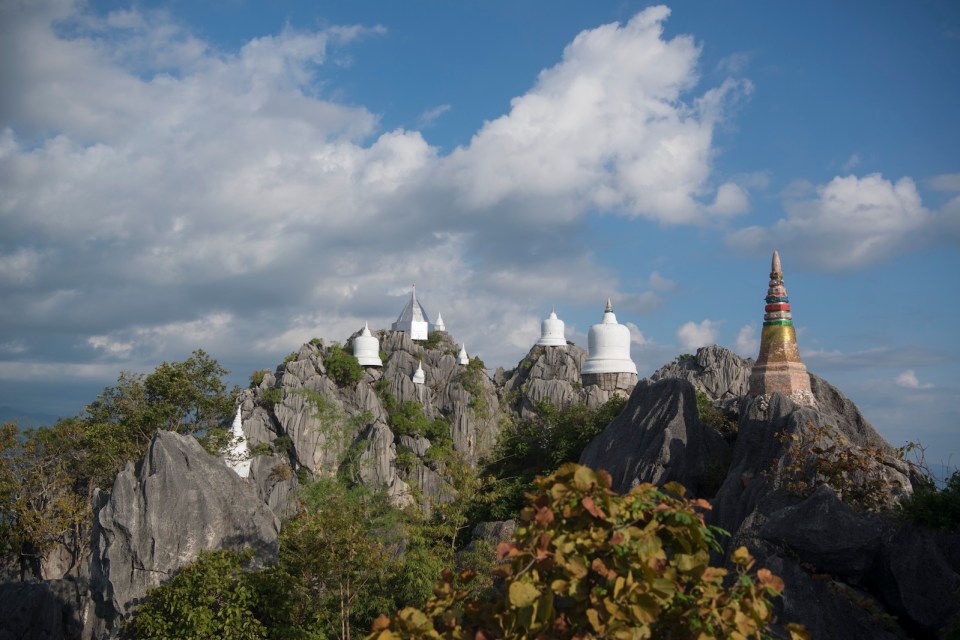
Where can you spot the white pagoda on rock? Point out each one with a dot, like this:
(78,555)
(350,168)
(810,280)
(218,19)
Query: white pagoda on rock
(419,377)
(438,325)
(366,348)
(552,331)
(609,346)
(462,357)
(238,458)
(413,319)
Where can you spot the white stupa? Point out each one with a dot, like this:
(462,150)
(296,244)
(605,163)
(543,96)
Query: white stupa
(551,331)
(462,357)
(239,457)
(413,319)
(419,377)
(438,325)
(609,347)
(366,348)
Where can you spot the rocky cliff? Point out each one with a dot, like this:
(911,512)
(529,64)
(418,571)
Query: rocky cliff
(807,489)
(161,513)
(313,426)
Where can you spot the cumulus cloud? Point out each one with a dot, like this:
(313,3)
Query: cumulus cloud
(693,335)
(908,380)
(187,196)
(850,222)
(747,343)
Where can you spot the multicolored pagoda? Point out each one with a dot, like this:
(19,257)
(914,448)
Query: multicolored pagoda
(778,367)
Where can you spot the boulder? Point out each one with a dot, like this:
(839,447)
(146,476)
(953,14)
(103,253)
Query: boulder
(177,501)
(659,438)
(47,610)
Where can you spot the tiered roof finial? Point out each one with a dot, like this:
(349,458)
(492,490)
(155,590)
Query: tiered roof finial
(778,367)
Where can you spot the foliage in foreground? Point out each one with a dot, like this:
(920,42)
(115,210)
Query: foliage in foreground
(586,563)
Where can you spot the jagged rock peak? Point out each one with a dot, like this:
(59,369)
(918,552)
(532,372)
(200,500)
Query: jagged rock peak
(160,514)
(715,370)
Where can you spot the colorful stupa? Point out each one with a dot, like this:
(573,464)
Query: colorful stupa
(778,367)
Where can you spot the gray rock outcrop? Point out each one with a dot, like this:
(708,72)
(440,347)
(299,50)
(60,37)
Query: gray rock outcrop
(177,501)
(659,438)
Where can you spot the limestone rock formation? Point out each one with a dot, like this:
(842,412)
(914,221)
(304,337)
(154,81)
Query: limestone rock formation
(177,501)
(324,428)
(719,372)
(45,610)
(659,438)
(552,374)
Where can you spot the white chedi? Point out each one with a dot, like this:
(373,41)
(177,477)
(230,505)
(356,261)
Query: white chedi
(366,348)
(462,357)
(413,319)
(552,331)
(608,344)
(238,458)
(438,325)
(419,377)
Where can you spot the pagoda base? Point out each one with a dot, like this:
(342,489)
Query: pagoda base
(611,382)
(789,378)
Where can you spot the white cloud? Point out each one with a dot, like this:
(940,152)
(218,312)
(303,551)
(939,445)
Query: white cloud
(908,380)
(661,283)
(851,222)
(430,116)
(607,127)
(852,162)
(693,335)
(946,182)
(747,343)
(636,336)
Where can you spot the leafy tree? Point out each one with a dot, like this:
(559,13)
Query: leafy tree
(211,598)
(334,556)
(342,367)
(528,448)
(586,562)
(932,507)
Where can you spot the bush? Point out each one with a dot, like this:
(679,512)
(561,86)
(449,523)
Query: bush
(270,397)
(342,367)
(930,507)
(586,562)
(257,377)
(712,416)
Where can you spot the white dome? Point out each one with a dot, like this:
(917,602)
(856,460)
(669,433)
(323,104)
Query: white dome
(419,377)
(366,348)
(239,457)
(609,346)
(551,331)
(462,357)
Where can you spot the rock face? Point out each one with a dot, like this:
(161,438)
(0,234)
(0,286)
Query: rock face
(43,610)
(552,374)
(160,514)
(849,572)
(659,438)
(318,427)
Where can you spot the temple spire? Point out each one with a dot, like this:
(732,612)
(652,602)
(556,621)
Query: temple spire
(778,367)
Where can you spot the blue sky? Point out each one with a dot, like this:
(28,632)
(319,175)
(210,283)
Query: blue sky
(241,177)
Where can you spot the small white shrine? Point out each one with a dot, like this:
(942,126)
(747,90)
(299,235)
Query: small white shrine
(366,348)
(438,325)
(462,357)
(552,331)
(609,346)
(413,319)
(238,458)
(419,377)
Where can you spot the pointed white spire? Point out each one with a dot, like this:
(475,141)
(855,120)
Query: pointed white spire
(419,377)
(608,344)
(438,325)
(238,458)
(462,357)
(413,319)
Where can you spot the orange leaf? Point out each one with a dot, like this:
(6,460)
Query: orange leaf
(592,507)
(544,516)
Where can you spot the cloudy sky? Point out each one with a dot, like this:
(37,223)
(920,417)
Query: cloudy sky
(241,177)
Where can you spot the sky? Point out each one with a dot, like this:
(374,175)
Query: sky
(244,176)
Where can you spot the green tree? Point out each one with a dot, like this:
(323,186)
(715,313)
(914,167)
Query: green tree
(334,559)
(342,367)
(589,563)
(213,597)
